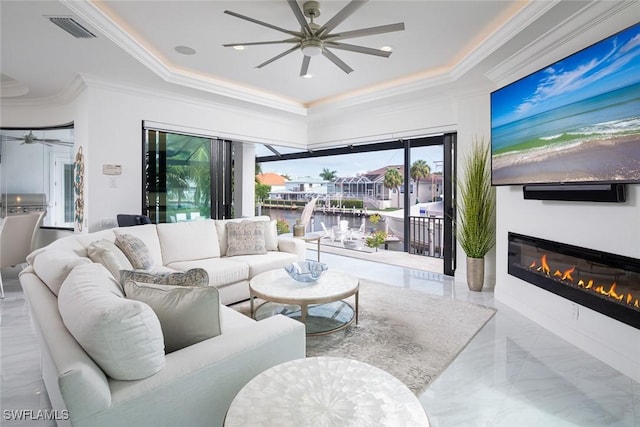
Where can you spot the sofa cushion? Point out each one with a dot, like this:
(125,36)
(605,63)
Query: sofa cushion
(53,267)
(221,271)
(192,277)
(270,261)
(187,315)
(185,241)
(148,234)
(108,254)
(245,238)
(122,336)
(135,250)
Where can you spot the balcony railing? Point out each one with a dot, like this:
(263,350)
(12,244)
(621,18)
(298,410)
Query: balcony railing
(426,236)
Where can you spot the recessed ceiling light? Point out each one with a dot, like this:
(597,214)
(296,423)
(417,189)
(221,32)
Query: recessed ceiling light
(185,50)
(307,76)
(240,47)
(386,48)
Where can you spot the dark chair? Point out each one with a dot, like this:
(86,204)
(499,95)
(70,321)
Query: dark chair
(128,220)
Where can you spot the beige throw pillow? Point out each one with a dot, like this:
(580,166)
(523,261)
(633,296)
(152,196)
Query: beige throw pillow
(245,238)
(193,277)
(187,315)
(106,252)
(135,250)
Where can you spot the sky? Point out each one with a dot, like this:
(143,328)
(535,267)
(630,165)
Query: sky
(353,164)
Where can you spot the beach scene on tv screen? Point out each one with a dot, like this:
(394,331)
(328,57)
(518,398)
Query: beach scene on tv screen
(577,120)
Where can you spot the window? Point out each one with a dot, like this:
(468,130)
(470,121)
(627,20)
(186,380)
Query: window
(186,177)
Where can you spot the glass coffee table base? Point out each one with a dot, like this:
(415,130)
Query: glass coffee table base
(321,318)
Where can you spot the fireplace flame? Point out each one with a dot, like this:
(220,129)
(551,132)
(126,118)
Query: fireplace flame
(544,267)
(567,274)
(602,289)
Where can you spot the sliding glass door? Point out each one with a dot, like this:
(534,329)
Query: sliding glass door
(186,177)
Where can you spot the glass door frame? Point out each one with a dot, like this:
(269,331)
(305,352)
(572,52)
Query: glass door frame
(447,140)
(220,169)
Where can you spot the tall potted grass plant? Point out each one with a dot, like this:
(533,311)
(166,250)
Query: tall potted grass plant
(476,202)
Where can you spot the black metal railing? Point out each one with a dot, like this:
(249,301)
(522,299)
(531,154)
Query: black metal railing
(426,236)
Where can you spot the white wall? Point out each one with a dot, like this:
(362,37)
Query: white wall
(416,113)
(608,227)
(108,125)
(114,136)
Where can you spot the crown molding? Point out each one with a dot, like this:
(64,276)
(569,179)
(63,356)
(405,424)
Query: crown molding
(67,95)
(546,46)
(99,18)
(92,14)
(514,25)
(13,88)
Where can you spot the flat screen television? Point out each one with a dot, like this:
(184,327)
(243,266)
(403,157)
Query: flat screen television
(575,121)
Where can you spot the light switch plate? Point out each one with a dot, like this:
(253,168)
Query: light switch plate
(112,169)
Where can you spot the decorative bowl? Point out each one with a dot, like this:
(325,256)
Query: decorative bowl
(306,271)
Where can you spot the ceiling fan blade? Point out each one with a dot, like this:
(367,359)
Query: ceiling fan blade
(264,24)
(275,58)
(46,140)
(13,138)
(293,4)
(259,43)
(333,58)
(367,31)
(305,65)
(358,49)
(337,19)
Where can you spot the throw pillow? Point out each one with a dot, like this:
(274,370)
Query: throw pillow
(196,277)
(187,315)
(270,235)
(53,267)
(122,336)
(245,238)
(106,252)
(135,250)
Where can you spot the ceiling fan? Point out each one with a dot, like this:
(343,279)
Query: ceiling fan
(314,39)
(30,138)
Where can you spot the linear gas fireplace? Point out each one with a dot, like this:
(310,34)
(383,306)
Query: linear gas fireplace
(604,282)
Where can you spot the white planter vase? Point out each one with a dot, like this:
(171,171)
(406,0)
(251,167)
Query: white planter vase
(475,273)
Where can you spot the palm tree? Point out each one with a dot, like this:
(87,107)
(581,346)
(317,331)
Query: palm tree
(328,175)
(393,179)
(419,169)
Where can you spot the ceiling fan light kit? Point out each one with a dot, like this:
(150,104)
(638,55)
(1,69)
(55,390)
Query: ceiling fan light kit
(312,47)
(313,39)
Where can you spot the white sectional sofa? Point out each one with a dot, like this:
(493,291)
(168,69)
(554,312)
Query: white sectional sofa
(197,383)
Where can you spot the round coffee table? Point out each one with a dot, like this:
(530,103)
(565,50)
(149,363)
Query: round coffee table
(321,305)
(325,391)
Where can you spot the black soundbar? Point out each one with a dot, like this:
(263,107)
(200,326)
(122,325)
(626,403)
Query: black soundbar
(612,193)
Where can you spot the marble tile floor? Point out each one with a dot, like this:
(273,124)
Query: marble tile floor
(514,373)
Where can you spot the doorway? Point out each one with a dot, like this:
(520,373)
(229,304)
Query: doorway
(185,177)
(368,182)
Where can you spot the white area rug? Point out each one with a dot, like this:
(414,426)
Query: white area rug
(410,334)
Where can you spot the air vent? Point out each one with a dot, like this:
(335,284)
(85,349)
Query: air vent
(72,27)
